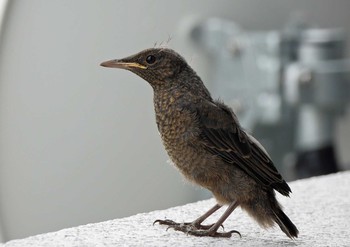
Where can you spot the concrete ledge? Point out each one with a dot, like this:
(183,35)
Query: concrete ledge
(319,206)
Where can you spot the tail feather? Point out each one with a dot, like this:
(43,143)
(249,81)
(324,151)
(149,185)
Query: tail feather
(285,224)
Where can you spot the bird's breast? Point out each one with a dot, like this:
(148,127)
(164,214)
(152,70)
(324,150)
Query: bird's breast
(175,126)
(178,129)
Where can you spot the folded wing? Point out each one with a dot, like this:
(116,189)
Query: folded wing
(222,135)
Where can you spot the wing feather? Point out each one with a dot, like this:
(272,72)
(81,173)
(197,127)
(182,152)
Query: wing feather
(222,135)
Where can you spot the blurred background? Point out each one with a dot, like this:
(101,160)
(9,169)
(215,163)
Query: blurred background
(79,143)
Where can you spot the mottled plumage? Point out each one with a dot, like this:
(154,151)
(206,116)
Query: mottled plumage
(205,141)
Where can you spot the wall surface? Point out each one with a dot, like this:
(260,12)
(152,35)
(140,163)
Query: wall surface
(78,142)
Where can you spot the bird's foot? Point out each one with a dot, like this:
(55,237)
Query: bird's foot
(196,229)
(189,225)
(212,233)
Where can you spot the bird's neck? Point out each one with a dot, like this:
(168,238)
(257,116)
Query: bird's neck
(188,82)
(173,95)
(170,102)
(179,95)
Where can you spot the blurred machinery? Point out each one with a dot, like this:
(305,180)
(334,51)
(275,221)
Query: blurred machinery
(288,87)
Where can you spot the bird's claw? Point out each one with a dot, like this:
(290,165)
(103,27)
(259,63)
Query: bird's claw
(165,222)
(196,229)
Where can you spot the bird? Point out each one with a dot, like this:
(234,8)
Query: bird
(207,144)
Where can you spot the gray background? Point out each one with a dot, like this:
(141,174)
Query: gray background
(78,143)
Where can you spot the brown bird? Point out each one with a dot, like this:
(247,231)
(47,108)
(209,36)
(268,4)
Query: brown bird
(207,144)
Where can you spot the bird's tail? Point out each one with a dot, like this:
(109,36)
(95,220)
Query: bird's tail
(285,223)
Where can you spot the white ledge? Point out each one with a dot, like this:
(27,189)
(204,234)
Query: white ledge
(319,207)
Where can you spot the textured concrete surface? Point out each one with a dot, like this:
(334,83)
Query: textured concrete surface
(319,206)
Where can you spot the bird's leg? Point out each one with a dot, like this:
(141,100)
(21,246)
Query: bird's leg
(196,224)
(213,231)
(195,228)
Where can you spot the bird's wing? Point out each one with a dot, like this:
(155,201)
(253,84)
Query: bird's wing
(222,135)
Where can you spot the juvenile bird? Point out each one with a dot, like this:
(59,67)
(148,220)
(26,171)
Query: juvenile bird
(205,141)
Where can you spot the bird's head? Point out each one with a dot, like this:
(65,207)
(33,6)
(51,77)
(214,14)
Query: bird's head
(158,66)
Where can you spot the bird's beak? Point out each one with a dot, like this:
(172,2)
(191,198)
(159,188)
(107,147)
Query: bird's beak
(122,64)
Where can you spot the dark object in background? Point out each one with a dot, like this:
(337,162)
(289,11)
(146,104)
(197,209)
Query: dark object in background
(205,141)
(316,162)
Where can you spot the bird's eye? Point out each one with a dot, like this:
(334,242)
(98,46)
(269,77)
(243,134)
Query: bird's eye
(150,59)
